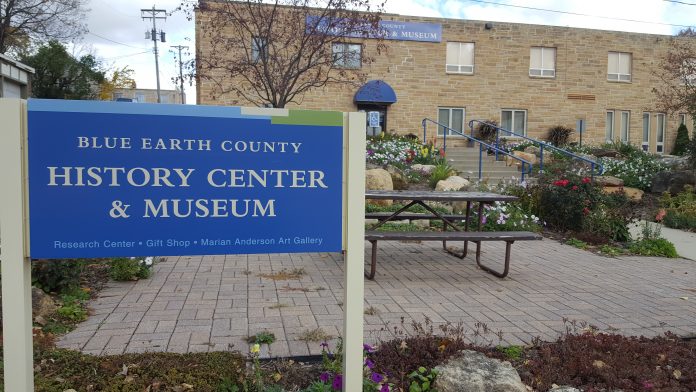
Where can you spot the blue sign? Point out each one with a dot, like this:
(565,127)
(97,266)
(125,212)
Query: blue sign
(388,29)
(108,179)
(373,119)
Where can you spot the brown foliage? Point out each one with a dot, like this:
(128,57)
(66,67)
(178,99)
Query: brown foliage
(271,54)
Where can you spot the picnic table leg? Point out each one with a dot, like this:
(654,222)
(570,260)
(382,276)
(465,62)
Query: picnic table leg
(508,245)
(466,228)
(373,262)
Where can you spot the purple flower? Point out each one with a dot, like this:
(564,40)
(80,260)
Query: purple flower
(385,388)
(324,377)
(483,220)
(376,378)
(370,152)
(369,363)
(368,348)
(337,382)
(324,345)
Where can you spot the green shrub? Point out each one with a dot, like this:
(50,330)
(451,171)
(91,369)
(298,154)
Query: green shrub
(681,143)
(56,275)
(567,201)
(559,135)
(512,352)
(577,243)
(124,268)
(441,172)
(680,210)
(509,217)
(652,244)
(636,169)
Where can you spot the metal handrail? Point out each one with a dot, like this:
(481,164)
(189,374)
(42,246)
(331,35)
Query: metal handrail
(542,145)
(481,143)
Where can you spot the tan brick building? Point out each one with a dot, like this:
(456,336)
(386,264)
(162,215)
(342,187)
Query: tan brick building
(147,95)
(525,77)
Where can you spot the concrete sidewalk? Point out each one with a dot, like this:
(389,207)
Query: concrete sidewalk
(684,241)
(194,304)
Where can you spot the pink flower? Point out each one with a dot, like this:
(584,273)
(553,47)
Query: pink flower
(586,180)
(575,187)
(660,215)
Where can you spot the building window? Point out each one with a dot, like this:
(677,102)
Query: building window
(514,120)
(347,55)
(452,118)
(460,57)
(646,132)
(619,69)
(682,118)
(660,145)
(542,62)
(259,47)
(625,125)
(609,129)
(164,98)
(140,97)
(118,95)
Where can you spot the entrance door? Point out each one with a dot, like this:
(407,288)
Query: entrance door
(382,109)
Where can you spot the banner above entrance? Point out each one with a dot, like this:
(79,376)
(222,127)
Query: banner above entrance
(388,29)
(121,179)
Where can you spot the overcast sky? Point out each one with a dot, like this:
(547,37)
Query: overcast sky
(117,33)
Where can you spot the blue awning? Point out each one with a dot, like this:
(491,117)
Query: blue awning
(375,91)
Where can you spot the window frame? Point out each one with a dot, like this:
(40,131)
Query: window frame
(682,119)
(542,69)
(645,143)
(450,110)
(660,145)
(473,58)
(512,121)
(346,45)
(619,74)
(609,128)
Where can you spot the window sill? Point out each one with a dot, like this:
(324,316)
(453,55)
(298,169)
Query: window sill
(620,81)
(458,73)
(541,77)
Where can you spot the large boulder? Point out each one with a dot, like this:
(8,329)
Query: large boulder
(399,180)
(531,158)
(452,183)
(379,180)
(533,150)
(608,181)
(673,181)
(634,194)
(425,169)
(472,371)
(43,306)
(603,152)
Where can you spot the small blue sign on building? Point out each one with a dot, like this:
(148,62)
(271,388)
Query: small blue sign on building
(108,179)
(373,119)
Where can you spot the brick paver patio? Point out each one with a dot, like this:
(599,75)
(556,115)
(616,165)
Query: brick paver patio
(214,302)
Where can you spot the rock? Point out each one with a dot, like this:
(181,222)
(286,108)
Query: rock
(424,223)
(563,388)
(379,179)
(602,152)
(40,320)
(672,181)
(42,304)
(533,150)
(675,161)
(452,183)
(472,371)
(425,169)
(608,181)
(398,179)
(531,158)
(370,166)
(634,194)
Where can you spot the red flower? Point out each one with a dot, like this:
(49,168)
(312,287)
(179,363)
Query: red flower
(575,187)
(585,210)
(561,182)
(586,180)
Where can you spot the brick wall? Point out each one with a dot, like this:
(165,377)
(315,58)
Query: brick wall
(580,89)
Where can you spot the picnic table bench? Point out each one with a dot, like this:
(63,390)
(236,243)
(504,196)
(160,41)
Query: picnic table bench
(448,220)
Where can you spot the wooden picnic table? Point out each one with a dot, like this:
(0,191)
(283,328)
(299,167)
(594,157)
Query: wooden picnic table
(448,221)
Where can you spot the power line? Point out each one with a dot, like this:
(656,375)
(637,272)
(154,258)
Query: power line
(127,55)
(116,42)
(577,13)
(680,2)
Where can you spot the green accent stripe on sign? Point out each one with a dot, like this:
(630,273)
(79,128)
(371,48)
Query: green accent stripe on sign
(310,117)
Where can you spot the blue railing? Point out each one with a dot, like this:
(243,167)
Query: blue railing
(482,146)
(542,145)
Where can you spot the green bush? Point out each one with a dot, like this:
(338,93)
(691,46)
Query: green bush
(680,210)
(559,135)
(441,172)
(681,143)
(636,168)
(56,275)
(651,243)
(124,268)
(567,201)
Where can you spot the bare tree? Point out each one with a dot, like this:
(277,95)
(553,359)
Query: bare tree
(272,53)
(26,21)
(677,75)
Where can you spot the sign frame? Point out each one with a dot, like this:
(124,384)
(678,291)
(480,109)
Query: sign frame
(16,259)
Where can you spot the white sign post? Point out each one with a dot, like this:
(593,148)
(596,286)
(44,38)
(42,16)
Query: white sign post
(354,258)
(14,239)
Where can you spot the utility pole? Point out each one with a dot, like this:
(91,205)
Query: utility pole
(181,72)
(155,14)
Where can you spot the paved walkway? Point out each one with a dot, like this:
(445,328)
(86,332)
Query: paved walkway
(214,302)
